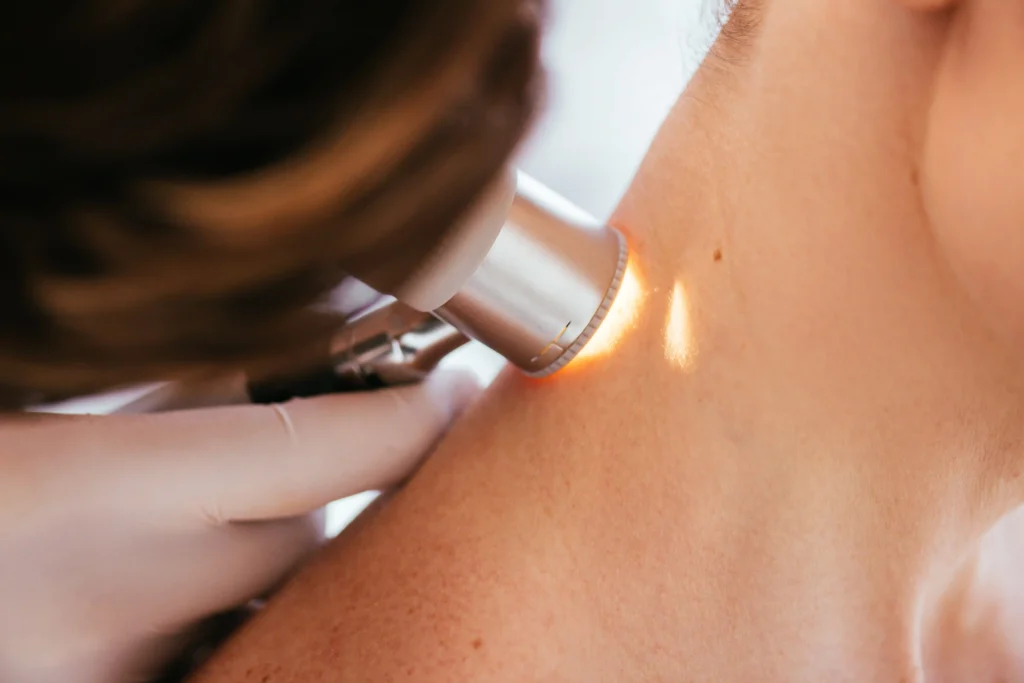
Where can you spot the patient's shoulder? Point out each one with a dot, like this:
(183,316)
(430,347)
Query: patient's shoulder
(474,569)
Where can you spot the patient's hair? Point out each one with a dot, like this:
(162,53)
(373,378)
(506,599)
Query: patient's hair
(738,24)
(116,114)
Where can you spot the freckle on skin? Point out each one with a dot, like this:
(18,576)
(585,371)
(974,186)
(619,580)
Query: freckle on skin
(718,255)
(478,643)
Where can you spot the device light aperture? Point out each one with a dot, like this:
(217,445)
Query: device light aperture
(620,319)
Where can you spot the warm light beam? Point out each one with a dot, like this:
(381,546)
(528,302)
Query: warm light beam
(621,317)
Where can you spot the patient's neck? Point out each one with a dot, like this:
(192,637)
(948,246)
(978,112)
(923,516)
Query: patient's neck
(840,431)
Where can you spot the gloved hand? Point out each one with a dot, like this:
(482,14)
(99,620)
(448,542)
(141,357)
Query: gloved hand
(119,532)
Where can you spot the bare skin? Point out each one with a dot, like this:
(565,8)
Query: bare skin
(785,469)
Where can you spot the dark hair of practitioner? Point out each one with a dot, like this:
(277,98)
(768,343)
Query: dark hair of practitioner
(182,182)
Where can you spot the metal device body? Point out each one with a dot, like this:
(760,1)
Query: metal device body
(541,290)
(533,283)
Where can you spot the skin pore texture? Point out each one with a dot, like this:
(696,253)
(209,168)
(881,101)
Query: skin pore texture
(786,469)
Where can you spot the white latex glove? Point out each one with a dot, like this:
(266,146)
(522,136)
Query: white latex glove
(119,532)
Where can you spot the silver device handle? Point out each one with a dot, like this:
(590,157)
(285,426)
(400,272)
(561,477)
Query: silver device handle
(534,289)
(543,288)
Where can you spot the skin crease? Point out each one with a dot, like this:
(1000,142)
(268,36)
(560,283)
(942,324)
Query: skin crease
(809,495)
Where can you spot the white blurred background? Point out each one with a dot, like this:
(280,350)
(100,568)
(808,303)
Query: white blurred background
(614,69)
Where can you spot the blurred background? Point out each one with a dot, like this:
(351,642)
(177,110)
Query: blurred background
(614,69)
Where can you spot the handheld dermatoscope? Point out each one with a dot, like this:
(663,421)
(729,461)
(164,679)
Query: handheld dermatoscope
(527,274)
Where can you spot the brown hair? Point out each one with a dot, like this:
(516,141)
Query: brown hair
(182,181)
(738,22)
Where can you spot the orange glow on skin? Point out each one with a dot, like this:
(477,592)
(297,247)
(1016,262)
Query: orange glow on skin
(679,349)
(620,319)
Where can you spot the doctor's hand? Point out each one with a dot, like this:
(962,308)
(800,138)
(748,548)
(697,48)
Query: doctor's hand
(119,533)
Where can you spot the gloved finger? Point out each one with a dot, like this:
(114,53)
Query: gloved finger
(264,462)
(223,566)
